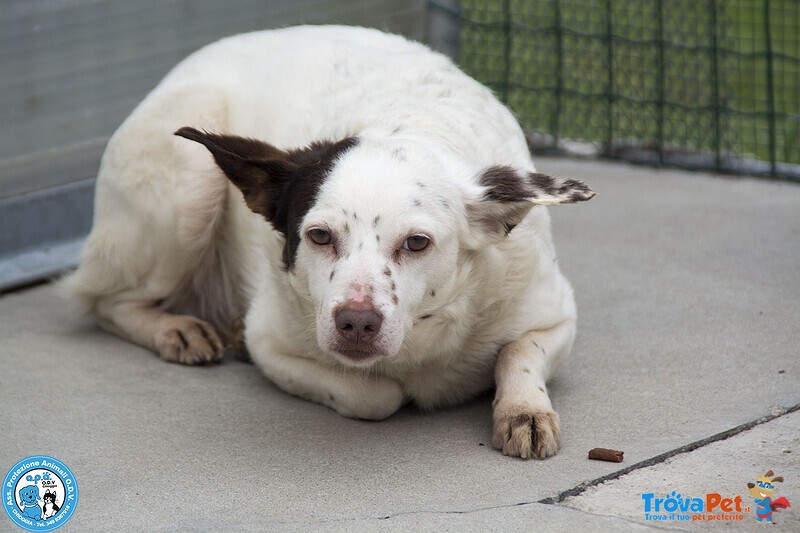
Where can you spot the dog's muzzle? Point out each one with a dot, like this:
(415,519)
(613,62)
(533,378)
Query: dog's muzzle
(358,326)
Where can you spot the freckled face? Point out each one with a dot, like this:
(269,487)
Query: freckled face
(378,243)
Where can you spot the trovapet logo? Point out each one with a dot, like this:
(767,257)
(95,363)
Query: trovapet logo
(714,506)
(709,507)
(40,493)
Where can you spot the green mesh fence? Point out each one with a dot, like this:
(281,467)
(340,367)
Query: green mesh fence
(706,84)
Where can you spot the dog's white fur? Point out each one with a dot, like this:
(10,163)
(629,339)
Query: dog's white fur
(173,240)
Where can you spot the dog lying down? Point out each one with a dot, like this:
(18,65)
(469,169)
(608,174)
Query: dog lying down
(370,212)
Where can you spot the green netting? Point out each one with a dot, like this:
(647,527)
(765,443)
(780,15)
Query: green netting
(709,84)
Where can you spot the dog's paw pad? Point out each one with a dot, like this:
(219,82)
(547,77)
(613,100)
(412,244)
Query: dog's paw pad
(527,432)
(189,341)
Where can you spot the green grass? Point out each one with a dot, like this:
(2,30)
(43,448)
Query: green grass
(677,75)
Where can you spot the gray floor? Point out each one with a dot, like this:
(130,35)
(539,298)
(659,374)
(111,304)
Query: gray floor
(689,292)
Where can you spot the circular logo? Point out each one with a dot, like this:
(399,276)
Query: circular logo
(40,493)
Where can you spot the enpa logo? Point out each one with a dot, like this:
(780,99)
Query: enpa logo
(40,493)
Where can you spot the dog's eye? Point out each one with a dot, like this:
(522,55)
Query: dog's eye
(416,243)
(319,236)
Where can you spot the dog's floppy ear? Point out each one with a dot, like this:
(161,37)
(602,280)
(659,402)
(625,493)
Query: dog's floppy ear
(279,185)
(507,195)
(258,169)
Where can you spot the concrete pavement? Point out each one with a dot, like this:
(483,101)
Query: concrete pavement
(688,288)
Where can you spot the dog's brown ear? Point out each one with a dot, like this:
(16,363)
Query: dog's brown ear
(508,195)
(258,169)
(280,185)
(505,184)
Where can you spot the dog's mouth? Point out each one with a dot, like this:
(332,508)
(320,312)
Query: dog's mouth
(357,355)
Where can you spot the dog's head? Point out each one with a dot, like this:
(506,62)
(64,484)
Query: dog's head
(29,494)
(764,487)
(375,229)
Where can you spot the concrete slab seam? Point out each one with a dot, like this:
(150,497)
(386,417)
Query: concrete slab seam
(432,512)
(659,527)
(408,513)
(575,491)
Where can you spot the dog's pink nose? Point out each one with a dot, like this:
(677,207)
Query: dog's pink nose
(358,325)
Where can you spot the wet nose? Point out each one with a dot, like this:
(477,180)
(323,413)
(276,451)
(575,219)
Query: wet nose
(358,325)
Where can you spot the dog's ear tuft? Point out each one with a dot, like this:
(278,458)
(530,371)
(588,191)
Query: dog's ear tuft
(258,169)
(508,195)
(505,184)
(549,190)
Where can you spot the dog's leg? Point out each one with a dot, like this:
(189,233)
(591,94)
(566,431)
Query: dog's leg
(349,393)
(525,424)
(176,338)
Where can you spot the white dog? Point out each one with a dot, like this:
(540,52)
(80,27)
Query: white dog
(370,212)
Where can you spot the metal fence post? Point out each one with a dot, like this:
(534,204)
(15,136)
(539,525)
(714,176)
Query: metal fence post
(715,84)
(506,50)
(770,90)
(660,81)
(555,122)
(609,37)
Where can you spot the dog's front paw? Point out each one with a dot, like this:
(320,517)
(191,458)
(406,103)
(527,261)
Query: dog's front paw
(526,431)
(188,340)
